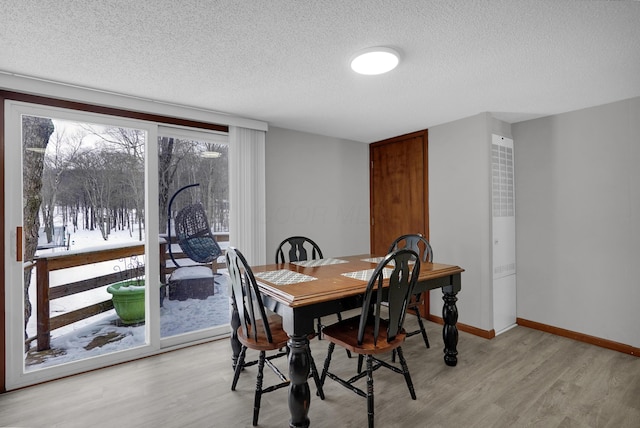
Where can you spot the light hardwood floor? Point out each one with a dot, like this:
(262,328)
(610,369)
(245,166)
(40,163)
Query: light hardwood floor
(522,378)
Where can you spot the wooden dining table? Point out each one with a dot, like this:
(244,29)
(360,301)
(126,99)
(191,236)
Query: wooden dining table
(303,291)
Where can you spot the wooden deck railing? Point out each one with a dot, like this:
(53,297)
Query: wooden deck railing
(45,293)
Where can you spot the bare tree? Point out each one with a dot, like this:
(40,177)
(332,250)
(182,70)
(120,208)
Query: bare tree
(127,146)
(192,162)
(116,188)
(98,180)
(172,153)
(35,137)
(217,180)
(166,172)
(62,151)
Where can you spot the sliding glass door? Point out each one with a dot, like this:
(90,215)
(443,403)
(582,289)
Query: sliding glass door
(94,276)
(193,179)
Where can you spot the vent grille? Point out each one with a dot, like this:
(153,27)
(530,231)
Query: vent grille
(502,181)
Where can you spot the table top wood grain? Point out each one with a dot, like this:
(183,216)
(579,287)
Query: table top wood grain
(330,283)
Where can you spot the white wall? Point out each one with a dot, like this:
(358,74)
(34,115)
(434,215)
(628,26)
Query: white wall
(578,220)
(318,187)
(460,213)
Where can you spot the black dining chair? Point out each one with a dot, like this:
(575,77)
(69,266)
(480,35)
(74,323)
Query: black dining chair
(258,331)
(371,334)
(420,245)
(297,249)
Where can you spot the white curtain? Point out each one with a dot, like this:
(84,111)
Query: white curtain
(247,223)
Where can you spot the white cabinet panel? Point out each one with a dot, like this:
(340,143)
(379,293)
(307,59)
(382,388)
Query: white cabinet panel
(504,233)
(504,303)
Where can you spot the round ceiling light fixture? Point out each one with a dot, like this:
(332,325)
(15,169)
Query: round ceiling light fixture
(210,155)
(374,61)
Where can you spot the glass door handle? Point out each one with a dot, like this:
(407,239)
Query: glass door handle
(18,239)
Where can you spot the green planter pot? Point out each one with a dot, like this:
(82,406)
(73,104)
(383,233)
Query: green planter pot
(128,300)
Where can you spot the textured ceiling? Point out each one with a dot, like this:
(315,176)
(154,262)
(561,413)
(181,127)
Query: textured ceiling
(286,62)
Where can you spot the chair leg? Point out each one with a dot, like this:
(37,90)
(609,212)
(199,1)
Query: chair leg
(316,377)
(360,360)
(327,361)
(239,368)
(258,396)
(422,329)
(319,328)
(339,315)
(405,371)
(370,390)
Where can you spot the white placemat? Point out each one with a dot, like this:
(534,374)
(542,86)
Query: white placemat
(373,259)
(379,259)
(284,277)
(365,275)
(319,262)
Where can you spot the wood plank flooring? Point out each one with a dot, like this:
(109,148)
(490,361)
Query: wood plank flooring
(522,378)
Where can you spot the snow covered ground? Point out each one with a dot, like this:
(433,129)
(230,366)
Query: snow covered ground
(78,340)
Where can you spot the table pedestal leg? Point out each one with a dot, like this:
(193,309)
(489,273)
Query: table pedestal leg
(299,367)
(450,331)
(236,346)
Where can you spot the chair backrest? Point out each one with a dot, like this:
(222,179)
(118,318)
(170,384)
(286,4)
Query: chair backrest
(296,248)
(402,267)
(246,296)
(415,242)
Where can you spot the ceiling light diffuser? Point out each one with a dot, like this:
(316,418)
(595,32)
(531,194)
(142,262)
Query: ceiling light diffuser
(376,60)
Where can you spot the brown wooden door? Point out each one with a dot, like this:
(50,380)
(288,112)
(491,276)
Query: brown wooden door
(399,197)
(399,192)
